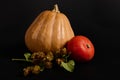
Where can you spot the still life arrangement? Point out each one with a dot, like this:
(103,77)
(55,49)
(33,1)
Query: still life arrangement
(52,41)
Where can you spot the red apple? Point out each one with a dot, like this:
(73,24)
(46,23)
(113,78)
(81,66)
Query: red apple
(81,48)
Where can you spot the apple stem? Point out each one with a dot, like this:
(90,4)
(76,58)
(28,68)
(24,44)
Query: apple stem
(88,46)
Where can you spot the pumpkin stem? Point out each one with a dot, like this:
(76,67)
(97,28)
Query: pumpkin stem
(56,9)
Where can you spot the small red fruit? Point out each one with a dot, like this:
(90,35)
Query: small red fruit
(81,48)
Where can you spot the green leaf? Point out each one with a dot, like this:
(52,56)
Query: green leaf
(69,66)
(27,56)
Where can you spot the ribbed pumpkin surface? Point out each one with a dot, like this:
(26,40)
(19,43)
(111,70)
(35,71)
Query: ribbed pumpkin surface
(49,32)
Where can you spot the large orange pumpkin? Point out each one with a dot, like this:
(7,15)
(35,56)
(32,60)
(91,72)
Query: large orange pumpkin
(50,31)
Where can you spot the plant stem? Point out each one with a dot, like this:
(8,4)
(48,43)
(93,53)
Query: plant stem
(56,9)
(21,60)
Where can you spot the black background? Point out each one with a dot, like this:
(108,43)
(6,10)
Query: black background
(99,20)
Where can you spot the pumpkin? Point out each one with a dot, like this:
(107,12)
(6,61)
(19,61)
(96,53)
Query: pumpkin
(50,31)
